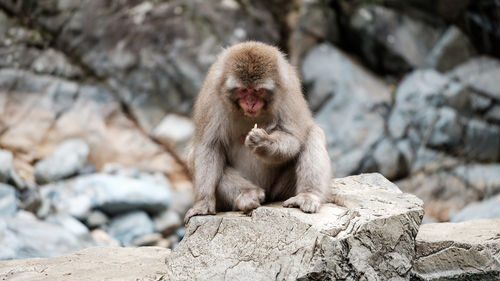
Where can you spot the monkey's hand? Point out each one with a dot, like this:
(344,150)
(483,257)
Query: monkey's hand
(257,138)
(307,202)
(202,207)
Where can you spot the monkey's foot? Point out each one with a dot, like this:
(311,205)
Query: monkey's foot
(204,207)
(250,199)
(307,202)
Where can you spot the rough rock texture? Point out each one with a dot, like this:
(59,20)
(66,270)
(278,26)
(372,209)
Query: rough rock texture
(458,251)
(353,101)
(99,263)
(110,193)
(370,236)
(68,158)
(24,236)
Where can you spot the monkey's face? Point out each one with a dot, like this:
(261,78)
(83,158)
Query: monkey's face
(250,100)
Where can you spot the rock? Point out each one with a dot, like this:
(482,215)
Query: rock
(443,192)
(175,131)
(103,238)
(42,111)
(70,223)
(127,227)
(458,251)
(69,157)
(390,40)
(493,114)
(167,222)
(452,49)
(111,194)
(446,130)
(56,63)
(487,209)
(370,236)
(353,116)
(389,161)
(6,165)
(481,177)
(8,200)
(480,73)
(26,237)
(147,239)
(96,218)
(312,23)
(181,232)
(482,141)
(97,263)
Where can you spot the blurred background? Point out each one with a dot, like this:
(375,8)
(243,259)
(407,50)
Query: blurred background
(95,99)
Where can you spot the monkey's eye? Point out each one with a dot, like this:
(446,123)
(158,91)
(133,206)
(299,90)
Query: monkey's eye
(261,91)
(243,90)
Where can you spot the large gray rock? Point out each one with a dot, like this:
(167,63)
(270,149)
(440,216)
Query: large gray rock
(452,49)
(98,263)
(109,193)
(68,158)
(6,165)
(369,235)
(489,208)
(24,236)
(8,200)
(127,227)
(353,116)
(480,73)
(391,40)
(458,251)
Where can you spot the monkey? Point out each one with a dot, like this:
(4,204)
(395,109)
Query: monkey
(255,139)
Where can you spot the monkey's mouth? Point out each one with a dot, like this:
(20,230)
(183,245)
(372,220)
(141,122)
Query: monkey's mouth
(251,113)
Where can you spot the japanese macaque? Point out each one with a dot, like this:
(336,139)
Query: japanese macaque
(255,139)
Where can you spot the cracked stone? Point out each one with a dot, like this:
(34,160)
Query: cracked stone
(458,251)
(370,233)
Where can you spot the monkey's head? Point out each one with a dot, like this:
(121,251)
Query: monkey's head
(251,71)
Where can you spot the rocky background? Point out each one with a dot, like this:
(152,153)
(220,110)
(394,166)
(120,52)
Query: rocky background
(95,99)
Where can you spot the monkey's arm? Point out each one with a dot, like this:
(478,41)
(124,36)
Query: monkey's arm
(275,148)
(208,168)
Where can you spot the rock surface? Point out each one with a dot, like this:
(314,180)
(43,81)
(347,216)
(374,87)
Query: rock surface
(24,236)
(99,263)
(458,251)
(110,193)
(68,158)
(370,234)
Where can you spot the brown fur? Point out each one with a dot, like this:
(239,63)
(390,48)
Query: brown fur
(283,159)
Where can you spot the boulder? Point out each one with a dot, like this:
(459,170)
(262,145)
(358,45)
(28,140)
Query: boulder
(8,200)
(452,49)
(109,193)
(6,165)
(458,251)
(129,226)
(68,158)
(369,234)
(98,263)
(390,40)
(24,236)
(354,105)
(175,131)
(489,208)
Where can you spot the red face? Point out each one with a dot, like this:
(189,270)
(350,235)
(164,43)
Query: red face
(251,100)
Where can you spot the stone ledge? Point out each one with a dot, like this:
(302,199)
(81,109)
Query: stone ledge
(458,251)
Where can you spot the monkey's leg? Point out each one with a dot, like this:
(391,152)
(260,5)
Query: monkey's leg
(313,174)
(237,193)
